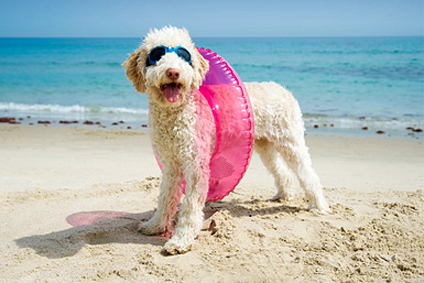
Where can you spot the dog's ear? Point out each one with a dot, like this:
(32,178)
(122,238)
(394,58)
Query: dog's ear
(201,67)
(135,68)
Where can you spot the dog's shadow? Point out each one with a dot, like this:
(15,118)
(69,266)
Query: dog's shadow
(104,227)
(93,228)
(256,207)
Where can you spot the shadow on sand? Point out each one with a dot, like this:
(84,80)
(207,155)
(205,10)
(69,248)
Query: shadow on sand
(93,228)
(104,227)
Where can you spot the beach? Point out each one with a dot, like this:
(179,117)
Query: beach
(71,198)
(78,173)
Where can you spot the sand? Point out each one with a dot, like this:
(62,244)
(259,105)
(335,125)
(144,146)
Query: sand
(71,198)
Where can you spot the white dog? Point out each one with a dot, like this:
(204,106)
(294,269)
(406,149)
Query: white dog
(167,67)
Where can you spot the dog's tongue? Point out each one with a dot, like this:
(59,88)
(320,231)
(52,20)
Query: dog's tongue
(172,93)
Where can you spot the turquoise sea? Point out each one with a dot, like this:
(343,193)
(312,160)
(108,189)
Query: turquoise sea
(350,82)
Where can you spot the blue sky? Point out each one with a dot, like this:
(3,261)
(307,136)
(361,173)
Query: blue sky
(131,18)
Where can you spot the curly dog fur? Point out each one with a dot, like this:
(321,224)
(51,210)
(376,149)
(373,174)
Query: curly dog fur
(183,142)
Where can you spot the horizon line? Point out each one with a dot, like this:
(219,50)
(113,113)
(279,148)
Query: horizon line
(227,36)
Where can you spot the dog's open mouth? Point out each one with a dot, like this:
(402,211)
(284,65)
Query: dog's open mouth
(171,91)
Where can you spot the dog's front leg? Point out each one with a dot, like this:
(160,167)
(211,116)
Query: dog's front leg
(169,197)
(190,217)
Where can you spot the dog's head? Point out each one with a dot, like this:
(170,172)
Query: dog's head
(167,66)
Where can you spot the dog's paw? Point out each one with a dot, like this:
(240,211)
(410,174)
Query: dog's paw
(321,211)
(147,228)
(320,207)
(318,204)
(173,247)
(282,196)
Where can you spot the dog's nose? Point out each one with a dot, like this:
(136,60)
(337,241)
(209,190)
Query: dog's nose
(173,74)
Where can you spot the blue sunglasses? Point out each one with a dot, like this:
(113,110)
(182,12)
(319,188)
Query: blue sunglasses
(158,52)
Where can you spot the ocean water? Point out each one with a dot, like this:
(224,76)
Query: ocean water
(349,82)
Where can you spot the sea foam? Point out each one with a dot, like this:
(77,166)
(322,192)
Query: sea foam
(77,112)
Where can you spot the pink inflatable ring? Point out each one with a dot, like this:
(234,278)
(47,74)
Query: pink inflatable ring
(233,115)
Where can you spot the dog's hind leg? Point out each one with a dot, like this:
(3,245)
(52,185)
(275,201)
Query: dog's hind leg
(190,215)
(296,155)
(169,197)
(275,164)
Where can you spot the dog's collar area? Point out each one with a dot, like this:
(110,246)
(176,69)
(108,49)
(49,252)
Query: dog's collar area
(158,52)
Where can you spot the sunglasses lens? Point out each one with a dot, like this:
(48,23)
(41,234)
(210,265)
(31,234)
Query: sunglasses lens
(184,54)
(157,53)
